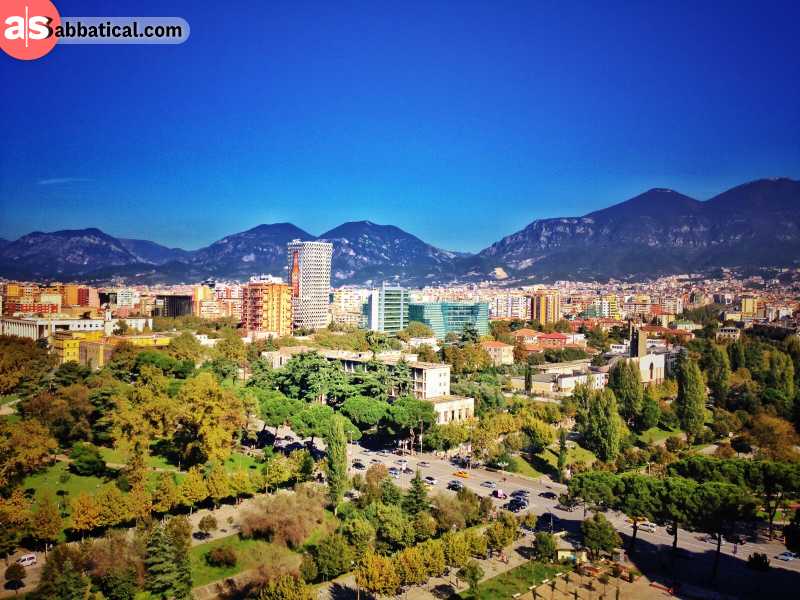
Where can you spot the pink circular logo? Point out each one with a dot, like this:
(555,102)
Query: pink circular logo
(27,28)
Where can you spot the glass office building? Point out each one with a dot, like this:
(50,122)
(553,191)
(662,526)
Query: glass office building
(451,317)
(386,309)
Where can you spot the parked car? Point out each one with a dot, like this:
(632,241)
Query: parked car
(358,465)
(647,526)
(786,556)
(498,493)
(424,464)
(549,495)
(520,493)
(402,462)
(27,560)
(489,484)
(394,472)
(455,485)
(430,480)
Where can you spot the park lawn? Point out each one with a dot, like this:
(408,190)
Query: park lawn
(5,399)
(526,468)
(119,456)
(239,460)
(654,434)
(515,581)
(250,553)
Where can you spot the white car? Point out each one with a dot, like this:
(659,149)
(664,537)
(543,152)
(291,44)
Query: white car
(430,480)
(27,560)
(786,556)
(489,484)
(647,526)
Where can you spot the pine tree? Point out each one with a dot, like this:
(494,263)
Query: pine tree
(162,571)
(70,584)
(651,411)
(718,371)
(416,500)
(691,401)
(336,442)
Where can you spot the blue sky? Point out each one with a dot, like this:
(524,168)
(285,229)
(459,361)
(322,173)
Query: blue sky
(460,122)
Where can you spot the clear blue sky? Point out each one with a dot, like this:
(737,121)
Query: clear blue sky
(460,122)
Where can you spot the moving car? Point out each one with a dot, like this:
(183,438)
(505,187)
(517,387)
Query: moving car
(27,560)
(549,495)
(489,484)
(359,465)
(520,494)
(647,526)
(786,556)
(455,485)
(462,474)
(424,463)
(430,480)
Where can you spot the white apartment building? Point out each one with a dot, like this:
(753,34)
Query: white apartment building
(310,282)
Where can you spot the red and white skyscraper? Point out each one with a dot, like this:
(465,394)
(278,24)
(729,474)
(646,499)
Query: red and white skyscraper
(310,282)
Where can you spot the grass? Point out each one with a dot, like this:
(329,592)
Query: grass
(654,434)
(250,553)
(546,462)
(515,581)
(119,456)
(8,398)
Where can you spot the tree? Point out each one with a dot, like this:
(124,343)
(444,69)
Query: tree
(275,409)
(472,573)
(24,447)
(46,523)
(185,347)
(599,535)
(625,381)
(207,524)
(602,430)
(377,574)
(15,577)
(162,574)
(774,438)
(639,498)
(410,567)
(718,373)
(86,460)
(217,483)
(286,587)
(651,412)
(675,503)
(598,489)
(360,534)
(416,499)
(166,495)
(313,421)
(193,489)
(139,502)
(112,505)
(209,417)
(336,442)
(456,549)
(539,434)
(562,453)
(85,513)
(333,556)
(276,471)
(70,583)
(364,412)
(691,401)
(545,547)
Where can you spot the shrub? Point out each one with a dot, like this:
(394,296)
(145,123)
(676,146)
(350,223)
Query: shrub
(224,556)
(286,518)
(207,524)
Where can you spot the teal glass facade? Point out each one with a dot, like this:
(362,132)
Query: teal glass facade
(447,317)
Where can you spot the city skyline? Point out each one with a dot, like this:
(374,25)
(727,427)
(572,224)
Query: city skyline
(543,111)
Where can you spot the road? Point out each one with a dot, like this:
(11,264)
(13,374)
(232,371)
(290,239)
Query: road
(443,471)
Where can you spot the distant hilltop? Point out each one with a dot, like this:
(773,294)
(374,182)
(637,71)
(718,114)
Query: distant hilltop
(659,232)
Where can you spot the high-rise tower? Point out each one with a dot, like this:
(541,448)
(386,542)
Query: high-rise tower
(310,281)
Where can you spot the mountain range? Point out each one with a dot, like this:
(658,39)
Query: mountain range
(658,232)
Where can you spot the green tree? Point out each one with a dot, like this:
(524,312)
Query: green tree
(718,373)
(336,442)
(651,411)
(562,453)
(602,430)
(161,571)
(360,534)
(416,499)
(625,381)
(333,556)
(70,584)
(545,547)
(275,409)
(364,412)
(86,460)
(691,401)
(599,535)
(472,573)
(638,498)
(193,489)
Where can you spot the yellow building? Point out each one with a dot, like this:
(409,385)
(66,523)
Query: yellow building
(200,295)
(142,341)
(69,295)
(95,353)
(267,308)
(613,306)
(66,344)
(749,306)
(546,306)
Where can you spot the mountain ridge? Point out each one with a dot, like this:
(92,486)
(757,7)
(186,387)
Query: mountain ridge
(657,232)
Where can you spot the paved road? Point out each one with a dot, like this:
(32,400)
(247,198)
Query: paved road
(443,471)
